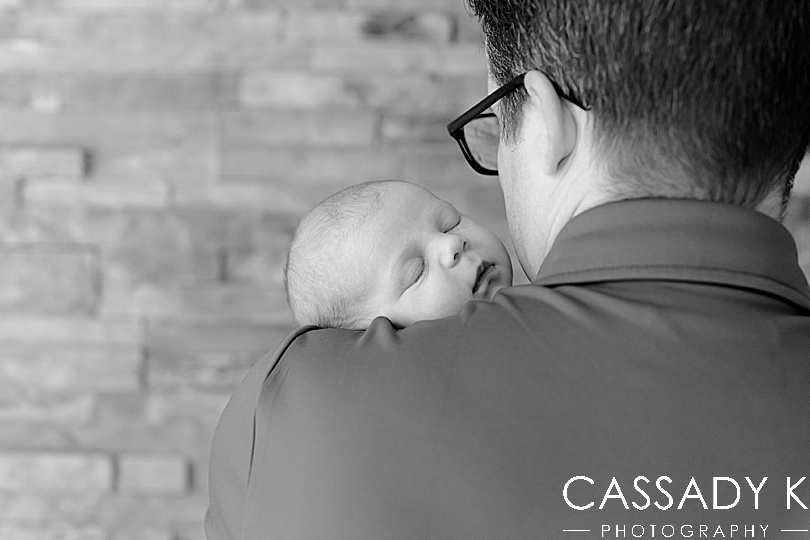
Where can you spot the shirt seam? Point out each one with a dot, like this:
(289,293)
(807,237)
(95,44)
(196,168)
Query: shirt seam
(669,266)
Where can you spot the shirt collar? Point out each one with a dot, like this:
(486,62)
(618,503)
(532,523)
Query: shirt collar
(681,240)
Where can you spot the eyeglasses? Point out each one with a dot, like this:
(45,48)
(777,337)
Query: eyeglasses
(478,132)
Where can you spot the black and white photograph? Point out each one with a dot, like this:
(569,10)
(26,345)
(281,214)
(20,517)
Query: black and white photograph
(404,269)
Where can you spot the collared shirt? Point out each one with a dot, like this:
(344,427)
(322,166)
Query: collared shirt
(660,358)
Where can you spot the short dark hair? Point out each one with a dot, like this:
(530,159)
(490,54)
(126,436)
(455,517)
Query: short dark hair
(714,91)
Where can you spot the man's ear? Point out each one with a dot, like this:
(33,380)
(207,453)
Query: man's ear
(554,114)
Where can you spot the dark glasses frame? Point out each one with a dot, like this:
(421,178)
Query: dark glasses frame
(456,127)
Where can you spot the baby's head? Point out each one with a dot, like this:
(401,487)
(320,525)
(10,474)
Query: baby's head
(393,249)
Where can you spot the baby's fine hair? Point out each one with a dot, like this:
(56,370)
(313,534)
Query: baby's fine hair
(315,275)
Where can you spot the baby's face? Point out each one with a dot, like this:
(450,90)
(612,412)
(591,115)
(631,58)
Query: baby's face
(425,260)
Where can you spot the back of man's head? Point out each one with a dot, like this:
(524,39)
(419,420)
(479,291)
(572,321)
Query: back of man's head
(706,99)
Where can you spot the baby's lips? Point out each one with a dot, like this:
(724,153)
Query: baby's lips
(486,272)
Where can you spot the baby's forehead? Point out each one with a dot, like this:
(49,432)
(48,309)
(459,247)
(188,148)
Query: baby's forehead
(414,199)
(405,210)
(399,207)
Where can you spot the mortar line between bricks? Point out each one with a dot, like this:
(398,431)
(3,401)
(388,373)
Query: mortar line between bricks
(284,18)
(115,472)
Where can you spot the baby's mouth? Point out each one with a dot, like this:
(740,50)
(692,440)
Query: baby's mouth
(485,273)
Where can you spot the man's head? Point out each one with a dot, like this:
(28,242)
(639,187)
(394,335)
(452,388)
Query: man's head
(702,99)
(391,249)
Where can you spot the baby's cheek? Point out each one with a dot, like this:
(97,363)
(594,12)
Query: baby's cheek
(445,299)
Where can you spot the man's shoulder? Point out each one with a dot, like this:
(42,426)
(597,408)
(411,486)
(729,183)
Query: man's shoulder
(510,331)
(477,324)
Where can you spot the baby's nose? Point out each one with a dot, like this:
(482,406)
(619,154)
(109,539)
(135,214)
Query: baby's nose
(452,246)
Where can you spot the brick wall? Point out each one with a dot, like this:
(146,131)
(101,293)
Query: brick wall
(154,158)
